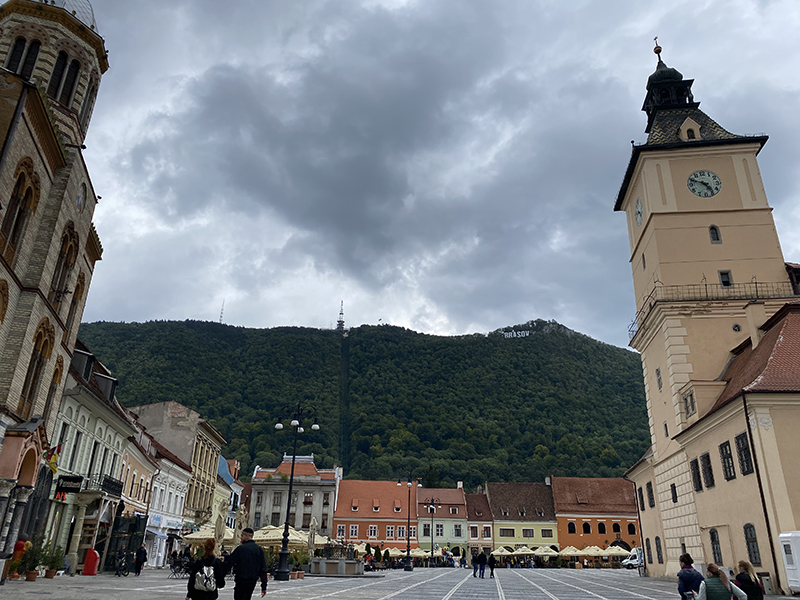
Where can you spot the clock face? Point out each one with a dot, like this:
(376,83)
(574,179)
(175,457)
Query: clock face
(639,212)
(704,184)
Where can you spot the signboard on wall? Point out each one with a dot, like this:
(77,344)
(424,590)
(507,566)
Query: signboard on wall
(69,484)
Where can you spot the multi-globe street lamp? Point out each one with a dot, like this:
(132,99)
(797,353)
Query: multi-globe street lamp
(428,504)
(408,565)
(282,573)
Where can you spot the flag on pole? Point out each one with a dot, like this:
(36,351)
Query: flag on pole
(52,458)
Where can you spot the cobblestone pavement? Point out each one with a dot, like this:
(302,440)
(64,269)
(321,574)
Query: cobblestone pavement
(421,584)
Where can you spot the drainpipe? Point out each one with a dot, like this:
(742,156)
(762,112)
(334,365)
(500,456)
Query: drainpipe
(761,493)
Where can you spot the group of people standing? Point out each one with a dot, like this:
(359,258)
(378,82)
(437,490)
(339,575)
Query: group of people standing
(479,562)
(207,574)
(692,585)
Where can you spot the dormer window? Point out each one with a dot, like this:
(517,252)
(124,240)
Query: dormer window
(690,134)
(521,511)
(354,505)
(689,131)
(539,512)
(453,510)
(376,505)
(504,512)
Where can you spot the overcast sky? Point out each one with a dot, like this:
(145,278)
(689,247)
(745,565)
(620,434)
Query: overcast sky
(448,166)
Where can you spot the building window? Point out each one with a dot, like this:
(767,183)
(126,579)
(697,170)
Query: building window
(743,451)
(601,528)
(587,527)
(487,533)
(259,498)
(571,527)
(615,528)
(659,554)
(326,499)
(277,498)
(308,498)
(649,551)
(726,457)
(412,532)
(689,405)
(401,532)
(58,75)
(88,105)
(752,544)
(713,233)
(372,531)
(473,532)
(716,549)
(294,498)
(324,525)
(15,55)
(453,510)
(439,529)
(673,488)
(306,520)
(389,532)
(42,347)
(725,278)
(353,531)
(641,499)
(547,533)
(506,532)
(504,512)
(70,80)
(19,209)
(457,530)
(426,530)
(527,533)
(651,500)
(276,520)
(340,531)
(631,529)
(644,262)
(257,520)
(697,483)
(66,262)
(708,472)
(659,382)
(666,430)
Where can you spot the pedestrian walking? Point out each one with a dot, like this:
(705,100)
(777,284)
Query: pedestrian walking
(717,586)
(120,561)
(748,582)
(689,579)
(141,558)
(492,563)
(249,565)
(475,564)
(481,564)
(207,575)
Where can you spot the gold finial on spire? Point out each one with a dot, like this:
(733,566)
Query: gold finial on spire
(657,49)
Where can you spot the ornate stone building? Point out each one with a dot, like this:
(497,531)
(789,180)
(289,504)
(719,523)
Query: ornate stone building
(52,61)
(717,331)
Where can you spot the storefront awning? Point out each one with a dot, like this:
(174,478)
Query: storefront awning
(156,533)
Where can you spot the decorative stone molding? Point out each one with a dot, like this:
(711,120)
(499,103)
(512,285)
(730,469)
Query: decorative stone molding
(6,485)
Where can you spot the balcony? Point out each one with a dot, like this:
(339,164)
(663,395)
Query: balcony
(701,292)
(102,483)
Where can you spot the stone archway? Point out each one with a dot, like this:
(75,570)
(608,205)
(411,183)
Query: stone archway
(27,469)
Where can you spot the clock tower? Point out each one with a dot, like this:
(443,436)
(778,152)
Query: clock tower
(708,271)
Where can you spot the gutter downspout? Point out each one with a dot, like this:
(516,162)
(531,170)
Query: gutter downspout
(12,129)
(761,493)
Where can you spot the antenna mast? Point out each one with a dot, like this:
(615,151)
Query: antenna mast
(340,322)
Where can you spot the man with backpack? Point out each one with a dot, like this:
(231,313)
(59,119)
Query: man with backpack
(249,565)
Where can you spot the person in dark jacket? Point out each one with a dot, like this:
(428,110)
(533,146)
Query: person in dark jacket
(481,564)
(747,580)
(492,562)
(141,558)
(208,560)
(689,579)
(249,565)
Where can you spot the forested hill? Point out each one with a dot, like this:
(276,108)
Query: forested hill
(517,404)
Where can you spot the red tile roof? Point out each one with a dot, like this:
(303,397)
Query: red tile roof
(593,495)
(447,498)
(478,508)
(773,366)
(365,495)
(535,500)
(304,468)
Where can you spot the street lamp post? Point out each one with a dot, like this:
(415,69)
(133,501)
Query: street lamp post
(408,566)
(282,573)
(429,504)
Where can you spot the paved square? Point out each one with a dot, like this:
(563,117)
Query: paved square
(421,584)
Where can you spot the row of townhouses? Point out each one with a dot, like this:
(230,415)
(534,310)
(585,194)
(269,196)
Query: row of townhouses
(561,512)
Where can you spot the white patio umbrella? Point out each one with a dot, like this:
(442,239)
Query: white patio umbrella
(545,551)
(501,552)
(571,551)
(524,551)
(616,551)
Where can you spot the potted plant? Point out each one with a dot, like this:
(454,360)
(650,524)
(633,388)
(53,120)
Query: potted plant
(54,561)
(33,557)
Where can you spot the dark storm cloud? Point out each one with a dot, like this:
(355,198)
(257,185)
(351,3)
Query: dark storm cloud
(448,166)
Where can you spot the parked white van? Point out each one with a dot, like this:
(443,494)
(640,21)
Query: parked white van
(634,560)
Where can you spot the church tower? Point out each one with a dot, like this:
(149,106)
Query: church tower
(51,61)
(708,272)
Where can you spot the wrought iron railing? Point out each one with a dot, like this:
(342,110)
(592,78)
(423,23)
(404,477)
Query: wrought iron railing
(708,291)
(103,483)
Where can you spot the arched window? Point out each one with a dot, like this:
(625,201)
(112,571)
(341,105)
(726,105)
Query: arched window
(133,484)
(587,527)
(57,76)
(42,347)
(752,544)
(77,297)
(54,384)
(690,134)
(601,528)
(631,529)
(15,54)
(716,549)
(16,218)
(571,528)
(648,551)
(66,261)
(69,83)
(88,106)
(30,59)
(659,553)
(713,233)
(616,528)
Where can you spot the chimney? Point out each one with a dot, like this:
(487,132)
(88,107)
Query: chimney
(756,317)
(460,485)
(547,480)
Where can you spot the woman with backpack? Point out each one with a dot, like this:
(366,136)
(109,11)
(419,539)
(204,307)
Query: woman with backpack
(207,575)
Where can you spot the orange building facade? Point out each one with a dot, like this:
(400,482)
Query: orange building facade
(376,512)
